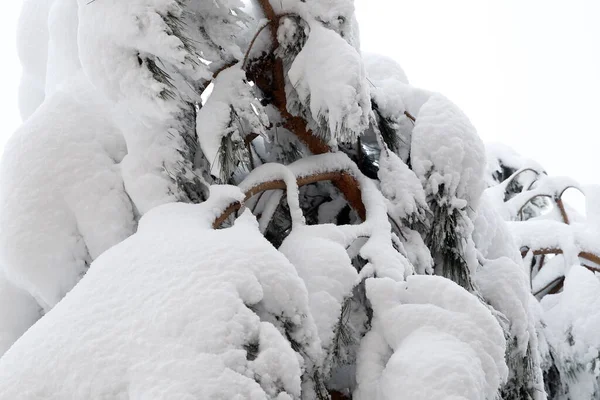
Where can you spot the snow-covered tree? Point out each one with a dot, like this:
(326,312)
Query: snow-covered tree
(218,199)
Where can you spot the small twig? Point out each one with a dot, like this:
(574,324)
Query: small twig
(409,116)
(563,211)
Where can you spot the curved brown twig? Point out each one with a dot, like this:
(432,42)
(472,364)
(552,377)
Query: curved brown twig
(249,49)
(514,176)
(557,197)
(333,176)
(586,255)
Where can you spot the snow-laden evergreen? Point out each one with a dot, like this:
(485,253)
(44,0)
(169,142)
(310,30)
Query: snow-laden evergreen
(354,237)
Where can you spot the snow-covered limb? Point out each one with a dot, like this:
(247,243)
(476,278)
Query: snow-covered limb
(258,182)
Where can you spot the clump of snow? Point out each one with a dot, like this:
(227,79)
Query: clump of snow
(330,80)
(401,188)
(62,201)
(319,255)
(417,251)
(195,313)
(231,110)
(390,88)
(491,234)
(503,284)
(447,154)
(430,338)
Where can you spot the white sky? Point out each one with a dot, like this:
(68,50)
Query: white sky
(527,72)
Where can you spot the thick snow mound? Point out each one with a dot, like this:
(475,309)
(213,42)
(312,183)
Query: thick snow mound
(62,201)
(430,339)
(176,311)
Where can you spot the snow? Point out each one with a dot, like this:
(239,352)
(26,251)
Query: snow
(547,234)
(319,254)
(153,77)
(330,80)
(63,53)
(390,88)
(491,234)
(18,311)
(499,155)
(417,252)
(592,205)
(573,320)
(273,172)
(554,268)
(231,110)
(503,284)
(122,124)
(552,187)
(380,67)
(62,201)
(32,46)
(401,188)
(443,343)
(446,150)
(188,307)
(383,259)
